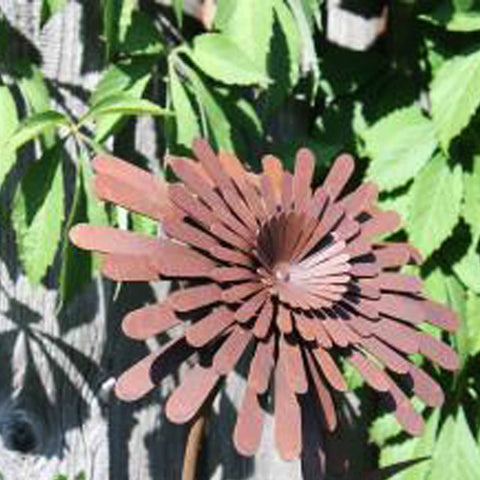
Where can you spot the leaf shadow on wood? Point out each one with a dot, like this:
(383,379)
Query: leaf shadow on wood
(141,422)
(48,381)
(17,52)
(219,451)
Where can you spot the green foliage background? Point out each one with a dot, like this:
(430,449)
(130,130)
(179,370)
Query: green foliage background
(265,79)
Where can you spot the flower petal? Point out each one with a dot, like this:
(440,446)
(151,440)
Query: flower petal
(209,327)
(188,398)
(127,185)
(338,175)
(231,350)
(249,425)
(150,320)
(288,436)
(261,366)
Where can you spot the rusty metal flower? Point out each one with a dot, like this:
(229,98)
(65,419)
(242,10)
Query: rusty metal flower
(291,274)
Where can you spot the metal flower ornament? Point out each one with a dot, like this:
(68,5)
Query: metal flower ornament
(291,275)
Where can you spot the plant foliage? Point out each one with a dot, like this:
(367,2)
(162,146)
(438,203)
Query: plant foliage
(264,78)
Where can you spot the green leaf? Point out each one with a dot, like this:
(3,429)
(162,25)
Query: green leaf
(96,213)
(124,104)
(414,448)
(457,454)
(222,60)
(473,322)
(384,428)
(141,37)
(117,17)
(468,267)
(398,200)
(283,62)
(143,224)
(8,125)
(178,9)
(249,118)
(434,204)
(34,125)
(37,97)
(249,26)
(50,8)
(129,76)
(352,376)
(464,5)
(38,213)
(471,203)
(456,298)
(436,285)
(208,104)
(123,78)
(291,34)
(111,13)
(455,96)
(453,20)
(310,62)
(185,116)
(125,19)
(399,145)
(78,265)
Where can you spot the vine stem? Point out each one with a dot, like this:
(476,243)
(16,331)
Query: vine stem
(192,448)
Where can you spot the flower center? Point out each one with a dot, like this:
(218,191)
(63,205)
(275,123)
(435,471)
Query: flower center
(281,272)
(300,266)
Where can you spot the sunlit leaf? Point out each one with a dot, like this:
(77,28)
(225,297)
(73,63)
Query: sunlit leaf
(455,95)
(125,104)
(130,77)
(185,116)
(384,428)
(249,26)
(222,59)
(468,267)
(78,265)
(178,9)
(38,212)
(126,12)
(141,38)
(37,99)
(434,204)
(95,208)
(8,125)
(457,454)
(399,145)
(456,298)
(35,125)
(111,13)
(436,285)
(143,224)
(292,38)
(471,204)
(302,13)
(473,322)
(217,120)
(413,448)
(453,20)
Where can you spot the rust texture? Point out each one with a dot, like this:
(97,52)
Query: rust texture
(291,275)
